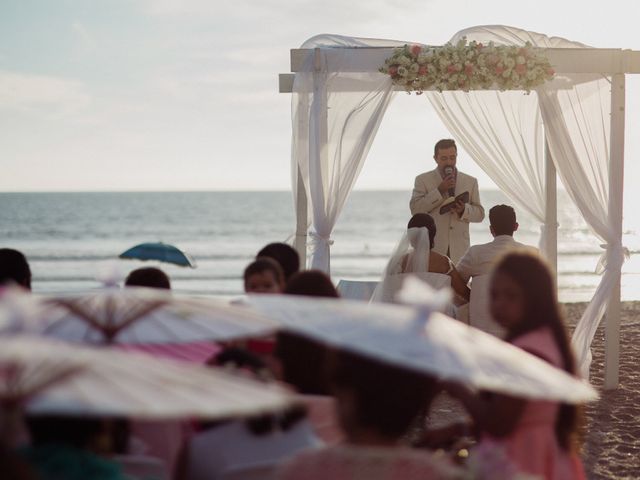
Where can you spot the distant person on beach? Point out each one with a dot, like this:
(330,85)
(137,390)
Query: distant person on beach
(14,268)
(285,255)
(151,277)
(312,283)
(377,404)
(539,436)
(264,275)
(431,191)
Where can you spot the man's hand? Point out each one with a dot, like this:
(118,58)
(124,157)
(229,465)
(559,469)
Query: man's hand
(458,208)
(447,183)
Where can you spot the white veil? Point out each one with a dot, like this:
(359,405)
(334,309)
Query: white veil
(410,258)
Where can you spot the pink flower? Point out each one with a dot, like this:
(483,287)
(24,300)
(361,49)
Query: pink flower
(452,69)
(479,46)
(551,71)
(393,70)
(523,51)
(499,69)
(415,50)
(492,59)
(423,70)
(521,69)
(468,69)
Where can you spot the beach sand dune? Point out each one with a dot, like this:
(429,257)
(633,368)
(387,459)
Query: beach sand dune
(611,448)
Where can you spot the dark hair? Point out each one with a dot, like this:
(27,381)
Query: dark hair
(303,363)
(313,283)
(151,277)
(14,268)
(386,398)
(264,264)
(442,144)
(75,431)
(285,255)
(503,219)
(541,309)
(424,220)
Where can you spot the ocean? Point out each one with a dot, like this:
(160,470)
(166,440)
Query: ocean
(70,237)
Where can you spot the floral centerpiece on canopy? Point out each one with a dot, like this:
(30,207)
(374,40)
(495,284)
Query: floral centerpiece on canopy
(468,66)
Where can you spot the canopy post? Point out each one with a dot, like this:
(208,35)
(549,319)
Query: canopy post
(302,222)
(616,182)
(551,210)
(319,160)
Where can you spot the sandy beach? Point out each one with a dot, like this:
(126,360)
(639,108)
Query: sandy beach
(612,441)
(611,448)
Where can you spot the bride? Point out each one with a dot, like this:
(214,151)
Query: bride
(414,256)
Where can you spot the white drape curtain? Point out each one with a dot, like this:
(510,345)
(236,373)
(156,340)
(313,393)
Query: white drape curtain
(578,122)
(336,114)
(502,131)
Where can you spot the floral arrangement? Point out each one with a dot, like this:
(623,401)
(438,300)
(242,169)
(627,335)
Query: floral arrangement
(471,66)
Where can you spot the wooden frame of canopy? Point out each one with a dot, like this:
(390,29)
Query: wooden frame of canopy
(615,63)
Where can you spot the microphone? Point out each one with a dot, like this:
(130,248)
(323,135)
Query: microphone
(448,170)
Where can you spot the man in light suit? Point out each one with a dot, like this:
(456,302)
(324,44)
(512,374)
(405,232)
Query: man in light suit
(479,259)
(430,191)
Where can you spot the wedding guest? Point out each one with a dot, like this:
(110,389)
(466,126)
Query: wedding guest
(14,268)
(264,275)
(240,445)
(377,404)
(313,283)
(432,189)
(151,277)
(480,259)
(285,255)
(539,436)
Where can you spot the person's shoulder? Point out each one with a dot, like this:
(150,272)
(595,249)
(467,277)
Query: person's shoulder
(425,175)
(467,177)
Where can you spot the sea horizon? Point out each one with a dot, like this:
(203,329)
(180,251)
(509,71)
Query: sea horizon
(70,236)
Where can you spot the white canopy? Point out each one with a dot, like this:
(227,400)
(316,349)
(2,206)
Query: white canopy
(340,97)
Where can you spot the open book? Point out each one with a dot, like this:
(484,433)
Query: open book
(449,203)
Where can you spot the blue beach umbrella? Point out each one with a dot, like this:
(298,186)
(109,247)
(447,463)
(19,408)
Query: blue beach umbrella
(162,252)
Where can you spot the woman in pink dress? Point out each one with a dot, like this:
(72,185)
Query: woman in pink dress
(538,436)
(377,404)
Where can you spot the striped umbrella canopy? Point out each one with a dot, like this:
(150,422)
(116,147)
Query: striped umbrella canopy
(432,343)
(49,377)
(138,315)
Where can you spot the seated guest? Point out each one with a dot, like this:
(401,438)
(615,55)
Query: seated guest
(415,255)
(14,268)
(312,283)
(377,404)
(285,255)
(151,277)
(264,275)
(240,445)
(478,261)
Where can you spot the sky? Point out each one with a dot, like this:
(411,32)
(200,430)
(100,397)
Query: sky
(183,94)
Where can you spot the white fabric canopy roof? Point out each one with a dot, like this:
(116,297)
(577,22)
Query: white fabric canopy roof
(339,101)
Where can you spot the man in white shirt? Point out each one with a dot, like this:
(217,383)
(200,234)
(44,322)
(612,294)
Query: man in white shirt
(432,190)
(479,259)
